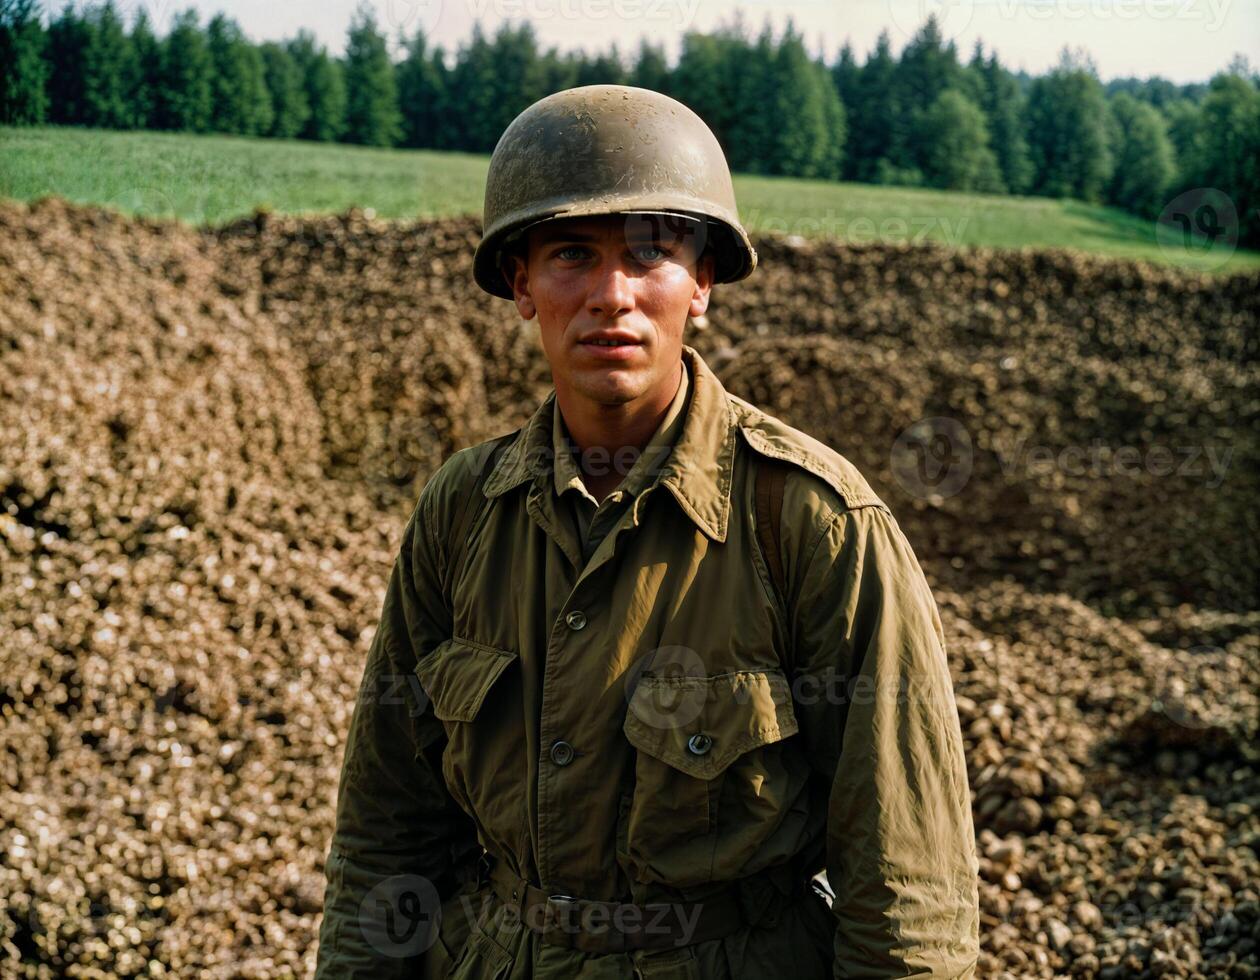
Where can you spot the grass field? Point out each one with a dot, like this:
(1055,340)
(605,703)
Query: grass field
(210,179)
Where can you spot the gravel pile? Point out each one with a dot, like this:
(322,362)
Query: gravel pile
(405,357)
(187,601)
(210,439)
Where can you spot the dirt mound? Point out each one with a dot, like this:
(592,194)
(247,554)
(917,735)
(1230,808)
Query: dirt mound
(1095,405)
(396,340)
(186,606)
(211,440)
(1127,483)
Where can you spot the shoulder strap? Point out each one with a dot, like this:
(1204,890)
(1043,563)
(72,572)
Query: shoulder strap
(469,506)
(769,481)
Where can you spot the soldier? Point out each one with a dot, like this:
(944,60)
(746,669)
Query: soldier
(672,657)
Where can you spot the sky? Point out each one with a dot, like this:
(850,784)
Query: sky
(1182,40)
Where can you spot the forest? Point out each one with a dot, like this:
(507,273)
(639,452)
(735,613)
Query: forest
(923,116)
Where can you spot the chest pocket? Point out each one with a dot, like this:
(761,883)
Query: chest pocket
(469,682)
(457,675)
(689,735)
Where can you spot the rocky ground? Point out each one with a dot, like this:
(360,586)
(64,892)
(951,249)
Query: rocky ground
(209,441)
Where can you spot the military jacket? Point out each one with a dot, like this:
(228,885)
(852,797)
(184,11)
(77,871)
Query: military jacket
(656,722)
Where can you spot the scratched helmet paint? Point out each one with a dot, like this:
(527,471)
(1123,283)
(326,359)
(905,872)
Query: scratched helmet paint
(609,149)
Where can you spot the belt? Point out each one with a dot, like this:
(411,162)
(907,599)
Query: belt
(613,927)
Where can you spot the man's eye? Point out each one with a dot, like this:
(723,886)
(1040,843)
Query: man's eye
(571,253)
(650,253)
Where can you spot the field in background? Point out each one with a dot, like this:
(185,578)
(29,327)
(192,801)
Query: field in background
(211,179)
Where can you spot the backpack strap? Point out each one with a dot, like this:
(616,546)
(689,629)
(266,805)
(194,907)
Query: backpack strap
(470,503)
(771,475)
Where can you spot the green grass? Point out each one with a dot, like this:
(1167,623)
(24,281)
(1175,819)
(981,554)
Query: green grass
(211,179)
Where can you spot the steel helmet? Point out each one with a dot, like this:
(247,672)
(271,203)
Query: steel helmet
(608,149)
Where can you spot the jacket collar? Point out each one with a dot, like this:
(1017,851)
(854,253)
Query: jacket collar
(697,471)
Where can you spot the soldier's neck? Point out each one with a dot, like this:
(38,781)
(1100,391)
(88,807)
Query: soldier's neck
(609,438)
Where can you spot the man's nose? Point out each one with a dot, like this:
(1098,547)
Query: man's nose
(612,292)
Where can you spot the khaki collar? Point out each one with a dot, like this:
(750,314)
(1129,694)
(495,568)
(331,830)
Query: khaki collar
(698,471)
(640,474)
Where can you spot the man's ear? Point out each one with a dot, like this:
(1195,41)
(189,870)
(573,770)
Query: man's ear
(704,284)
(516,273)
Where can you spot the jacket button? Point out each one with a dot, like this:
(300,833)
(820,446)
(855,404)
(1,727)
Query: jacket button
(576,619)
(561,753)
(699,743)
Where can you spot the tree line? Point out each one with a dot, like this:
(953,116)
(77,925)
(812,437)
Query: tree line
(924,117)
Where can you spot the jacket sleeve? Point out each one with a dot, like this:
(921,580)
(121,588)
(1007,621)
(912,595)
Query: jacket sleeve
(399,838)
(885,736)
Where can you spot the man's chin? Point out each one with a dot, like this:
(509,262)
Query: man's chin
(610,386)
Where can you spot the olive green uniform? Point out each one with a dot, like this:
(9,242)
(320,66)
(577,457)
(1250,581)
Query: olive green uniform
(654,722)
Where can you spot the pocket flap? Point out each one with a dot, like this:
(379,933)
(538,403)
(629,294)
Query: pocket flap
(700,725)
(458,673)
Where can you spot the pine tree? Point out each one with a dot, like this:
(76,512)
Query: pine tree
(605,68)
(372,116)
(1067,132)
(242,104)
(420,95)
(928,67)
(559,71)
(875,106)
(1004,106)
(185,93)
(1144,166)
(754,124)
(255,96)
(108,64)
(289,108)
(845,73)
(69,37)
(971,78)
(23,70)
(836,125)
(227,113)
(474,86)
(519,79)
(144,74)
(801,146)
(323,81)
(446,107)
(651,70)
(734,47)
(700,82)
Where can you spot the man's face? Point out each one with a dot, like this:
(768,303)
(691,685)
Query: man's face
(612,294)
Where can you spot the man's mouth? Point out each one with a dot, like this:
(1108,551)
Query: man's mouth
(611,345)
(611,338)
